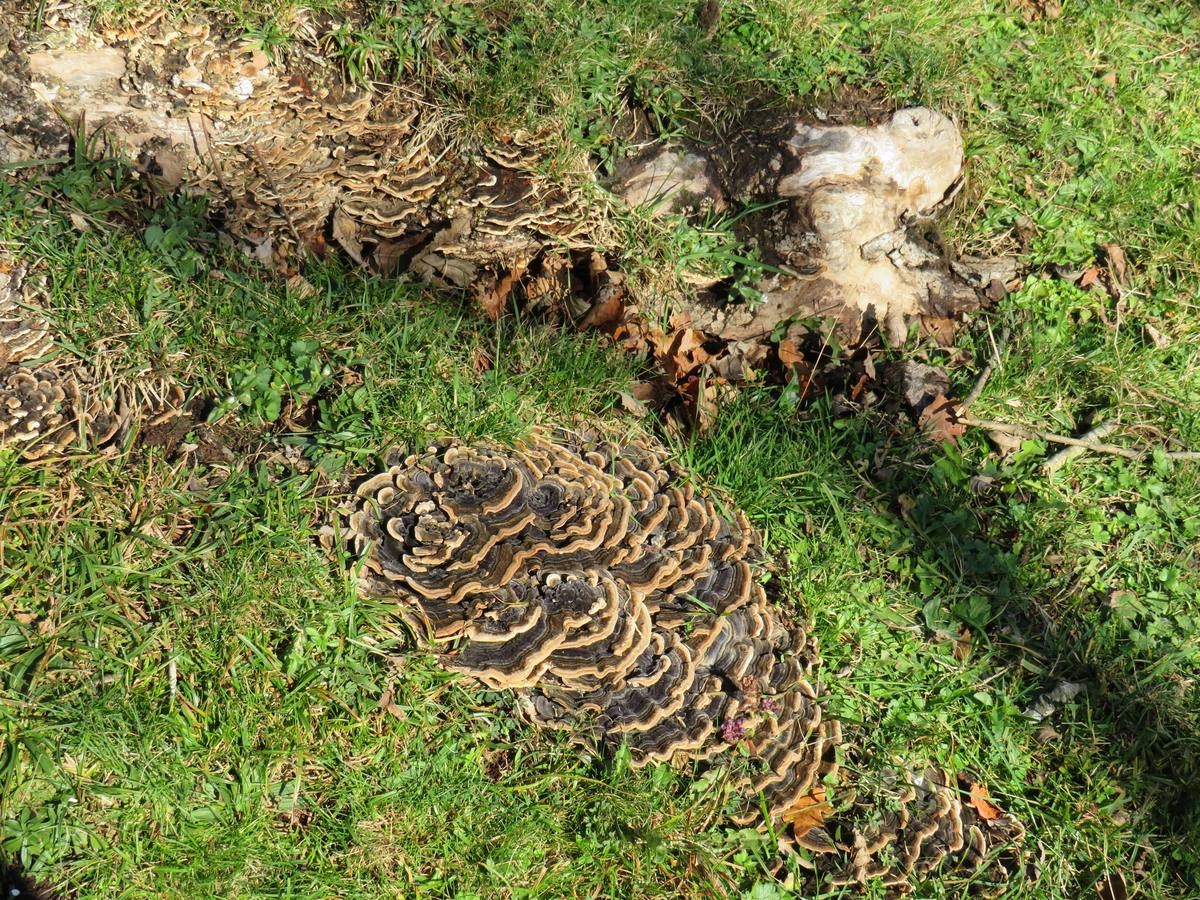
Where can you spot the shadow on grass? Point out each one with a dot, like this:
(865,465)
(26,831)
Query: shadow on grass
(989,558)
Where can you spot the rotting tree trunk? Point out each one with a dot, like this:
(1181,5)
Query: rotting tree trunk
(294,158)
(842,231)
(291,157)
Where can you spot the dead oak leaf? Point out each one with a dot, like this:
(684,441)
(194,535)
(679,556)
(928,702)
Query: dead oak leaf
(493,301)
(300,286)
(1040,9)
(789,354)
(685,353)
(940,420)
(654,392)
(632,404)
(940,328)
(481,361)
(606,311)
(810,811)
(979,802)
(1118,265)
(346,233)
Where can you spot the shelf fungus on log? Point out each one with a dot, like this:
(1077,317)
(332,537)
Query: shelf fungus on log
(38,410)
(626,606)
(290,155)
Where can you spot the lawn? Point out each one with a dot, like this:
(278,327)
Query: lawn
(196,703)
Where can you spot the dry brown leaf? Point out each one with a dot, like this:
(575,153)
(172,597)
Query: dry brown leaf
(649,391)
(1006,443)
(940,328)
(345,232)
(1046,734)
(481,361)
(494,301)
(731,367)
(810,811)
(550,284)
(1157,338)
(789,353)
(656,339)
(1118,265)
(962,644)
(597,266)
(301,287)
(388,255)
(608,309)
(387,704)
(940,420)
(685,353)
(1089,276)
(687,341)
(981,804)
(632,404)
(1040,9)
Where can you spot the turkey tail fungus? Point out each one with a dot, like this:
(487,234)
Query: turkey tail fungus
(621,603)
(49,405)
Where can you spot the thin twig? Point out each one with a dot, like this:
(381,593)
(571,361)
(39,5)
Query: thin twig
(993,364)
(1094,446)
(1066,454)
(34,163)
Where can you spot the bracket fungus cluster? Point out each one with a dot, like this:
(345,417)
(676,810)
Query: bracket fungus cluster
(290,155)
(48,405)
(621,603)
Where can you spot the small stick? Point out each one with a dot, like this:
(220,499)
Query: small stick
(1094,446)
(993,364)
(1066,454)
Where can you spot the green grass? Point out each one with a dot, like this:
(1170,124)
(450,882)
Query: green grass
(270,769)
